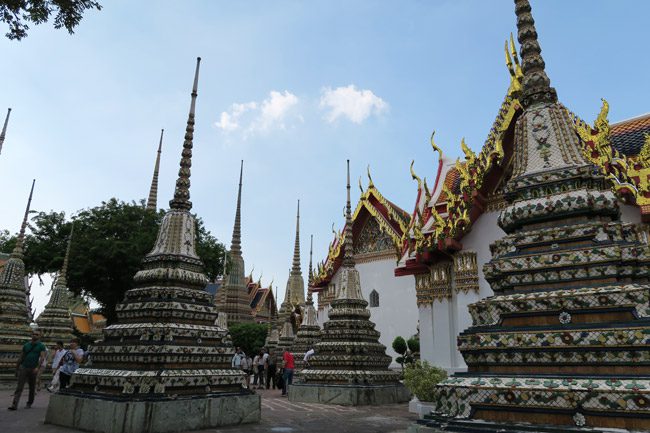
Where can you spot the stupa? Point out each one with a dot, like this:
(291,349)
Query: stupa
(350,366)
(235,300)
(272,335)
(287,337)
(309,332)
(294,295)
(165,365)
(563,343)
(3,133)
(152,200)
(14,314)
(55,322)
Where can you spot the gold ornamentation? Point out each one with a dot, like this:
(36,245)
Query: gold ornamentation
(466,272)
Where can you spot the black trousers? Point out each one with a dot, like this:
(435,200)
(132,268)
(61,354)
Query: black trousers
(270,377)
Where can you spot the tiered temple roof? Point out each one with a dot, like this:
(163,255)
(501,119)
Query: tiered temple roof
(167,341)
(14,313)
(562,342)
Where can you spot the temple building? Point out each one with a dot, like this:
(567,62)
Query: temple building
(294,296)
(233,298)
(15,316)
(378,226)
(169,353)
(55,322)
(533,256)
(350,366)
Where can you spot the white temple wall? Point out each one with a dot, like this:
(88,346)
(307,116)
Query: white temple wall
(425,315)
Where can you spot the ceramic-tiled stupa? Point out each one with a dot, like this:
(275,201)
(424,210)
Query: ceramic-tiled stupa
(234,299)
(165,365)
(350,366)
(563,344)
(294,295)
(309,332)
(287,337)
(55,322)
(14,314)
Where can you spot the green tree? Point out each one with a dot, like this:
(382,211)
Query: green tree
(109,244)
(67,13)
(420,378)
(249,336)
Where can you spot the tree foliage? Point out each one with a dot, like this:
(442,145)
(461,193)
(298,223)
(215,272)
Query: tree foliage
(420,378)
(108,246)
(19,13)
(249,336)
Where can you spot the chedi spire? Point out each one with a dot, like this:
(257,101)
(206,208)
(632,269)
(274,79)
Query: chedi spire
(152,201)
(4,129)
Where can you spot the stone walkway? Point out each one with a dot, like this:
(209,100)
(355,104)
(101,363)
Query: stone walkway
(278,415)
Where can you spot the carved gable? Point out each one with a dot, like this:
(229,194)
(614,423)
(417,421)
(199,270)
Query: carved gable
(372,239)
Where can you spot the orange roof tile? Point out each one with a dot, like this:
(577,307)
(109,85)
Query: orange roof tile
(628,136)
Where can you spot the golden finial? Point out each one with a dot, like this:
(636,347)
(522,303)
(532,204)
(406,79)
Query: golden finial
(370,184)
(434,146)
(360,185)
(415,176)
(470,156)
(513,50)
(427,193)
(333,231)
(601,123)
(509,59)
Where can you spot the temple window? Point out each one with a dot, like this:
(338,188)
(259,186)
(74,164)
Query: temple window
(374,298)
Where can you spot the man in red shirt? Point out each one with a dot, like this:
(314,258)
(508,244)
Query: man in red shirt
(287,375)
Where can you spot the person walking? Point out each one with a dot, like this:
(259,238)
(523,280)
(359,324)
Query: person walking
(271,371)
(261,366)
(27,368)
(59,351)
(70,362)
(256,361)
(288,366)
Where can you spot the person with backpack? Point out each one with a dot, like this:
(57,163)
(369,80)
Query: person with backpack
(27,369)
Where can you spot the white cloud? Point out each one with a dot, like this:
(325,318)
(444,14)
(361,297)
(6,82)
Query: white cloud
(356,105)
(271,113)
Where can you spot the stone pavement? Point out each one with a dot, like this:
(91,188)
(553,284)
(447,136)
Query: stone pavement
(278,416)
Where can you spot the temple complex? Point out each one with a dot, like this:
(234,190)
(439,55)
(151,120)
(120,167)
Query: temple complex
(234,299)
(294,295)
(350,366)
(167,355)
(309,332)
(55,322)
(559,340)
(152,200)
(14,314)
(378,226)
(4,130)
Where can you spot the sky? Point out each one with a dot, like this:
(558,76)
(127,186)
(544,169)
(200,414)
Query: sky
(294,89)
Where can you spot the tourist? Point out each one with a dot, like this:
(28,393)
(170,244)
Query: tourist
(236,361)
(288,366)
(59,351)
(256,370)
(27,369)
(70,362)
(308,356)
(271,380)
(42,368)
(261,364)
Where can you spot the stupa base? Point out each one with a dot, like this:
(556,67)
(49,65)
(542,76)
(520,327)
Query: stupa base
(441,424)
(349,395)
(91,413)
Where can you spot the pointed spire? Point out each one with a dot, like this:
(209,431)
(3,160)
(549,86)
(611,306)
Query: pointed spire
(4,129)
(62,281)
(348,258)
(181,200)
(536,86)
(310,277)
(295,269)
(152,202)
(18,249)
(235,245)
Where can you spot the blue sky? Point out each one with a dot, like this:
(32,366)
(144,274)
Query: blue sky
(293,88)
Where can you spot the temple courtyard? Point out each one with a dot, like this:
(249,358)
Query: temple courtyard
(278,415)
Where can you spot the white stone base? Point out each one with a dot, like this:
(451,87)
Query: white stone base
(349,395)
(421,408)
(182,414)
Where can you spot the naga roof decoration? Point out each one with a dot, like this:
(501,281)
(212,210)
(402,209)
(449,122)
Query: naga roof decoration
(392,220)
(443,216)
